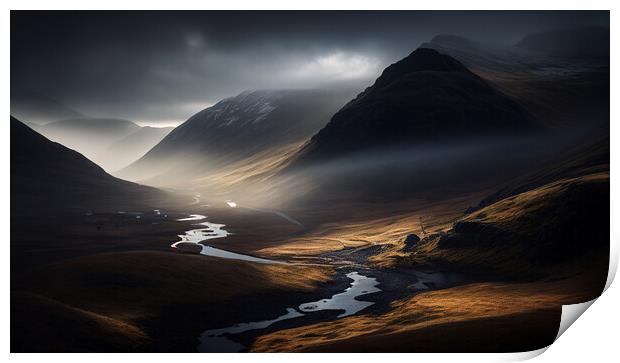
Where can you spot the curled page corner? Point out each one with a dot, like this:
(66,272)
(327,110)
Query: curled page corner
(570,313)
(523,356)
(613,263)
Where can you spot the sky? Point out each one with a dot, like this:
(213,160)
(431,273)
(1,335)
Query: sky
(160,67)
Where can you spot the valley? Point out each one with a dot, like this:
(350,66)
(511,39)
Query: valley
(453,205)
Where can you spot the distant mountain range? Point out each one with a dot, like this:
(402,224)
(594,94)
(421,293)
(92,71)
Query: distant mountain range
(48,176)
(133,146)
(583,42)
(550,52)
(37,108)
(423,98)
(236,128)
(111,143)
(450,88)
(561,76)
(479,56)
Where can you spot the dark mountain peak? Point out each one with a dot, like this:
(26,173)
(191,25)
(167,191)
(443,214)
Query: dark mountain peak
(420,60)
(425,97)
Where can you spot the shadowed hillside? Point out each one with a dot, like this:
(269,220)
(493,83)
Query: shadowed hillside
(46,175)
(426,97)
(561,77)
(236,128)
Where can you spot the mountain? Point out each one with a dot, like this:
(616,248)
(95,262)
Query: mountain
(481,57)
(425,97)
(38,108)
(551,52)
(236,128)
(133,146)
(90,136)
(561,77)
(48,176)
(583,42)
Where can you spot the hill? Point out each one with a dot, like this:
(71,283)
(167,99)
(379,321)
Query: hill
(48,176)
(425,97)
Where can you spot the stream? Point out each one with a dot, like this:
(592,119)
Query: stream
(345,302)
(216,340)
(206,231)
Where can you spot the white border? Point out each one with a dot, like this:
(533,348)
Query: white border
(594,334)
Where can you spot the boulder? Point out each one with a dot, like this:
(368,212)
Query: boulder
(411,242)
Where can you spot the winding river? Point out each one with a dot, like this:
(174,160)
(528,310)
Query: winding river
(195,238)
(217,340)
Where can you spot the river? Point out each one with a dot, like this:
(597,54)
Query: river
(217,340)
(348,302)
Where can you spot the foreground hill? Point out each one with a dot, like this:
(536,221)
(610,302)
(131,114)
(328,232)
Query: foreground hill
(235,128)
(424,97)
(113,302)
(46,175)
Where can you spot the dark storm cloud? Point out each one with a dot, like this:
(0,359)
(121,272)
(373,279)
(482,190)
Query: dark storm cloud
(164,66)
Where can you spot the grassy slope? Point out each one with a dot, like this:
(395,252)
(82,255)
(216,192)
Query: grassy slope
(525,235)
(580,98)
(129,288)
(478,317)
(40,324)
(553,237)
(341,226)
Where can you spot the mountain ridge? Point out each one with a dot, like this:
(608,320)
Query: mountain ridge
(238,127)
(47,175)
(426,95)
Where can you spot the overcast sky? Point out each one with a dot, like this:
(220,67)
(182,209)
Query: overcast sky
(162,67)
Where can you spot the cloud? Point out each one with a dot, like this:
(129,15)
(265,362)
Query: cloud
(156,66)
(337,65)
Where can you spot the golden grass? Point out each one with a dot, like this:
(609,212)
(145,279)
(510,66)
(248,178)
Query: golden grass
(249,178)
(517,208)
(473,302)
(522,213)
(372,224)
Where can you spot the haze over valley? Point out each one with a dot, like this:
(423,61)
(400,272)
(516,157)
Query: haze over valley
(333,182)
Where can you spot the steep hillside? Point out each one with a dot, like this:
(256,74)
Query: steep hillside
(425,97)
(48,176)
(236,128)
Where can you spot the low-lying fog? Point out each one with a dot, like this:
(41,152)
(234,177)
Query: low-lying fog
(431,171)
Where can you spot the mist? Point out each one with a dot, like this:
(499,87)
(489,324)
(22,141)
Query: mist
(436,170)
